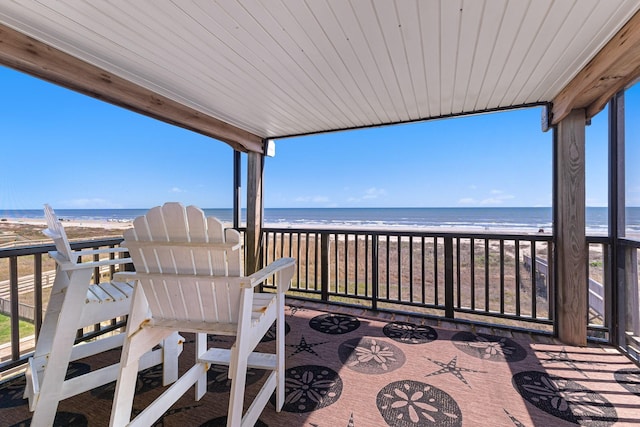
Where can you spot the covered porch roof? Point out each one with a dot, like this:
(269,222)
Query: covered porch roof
(248,70)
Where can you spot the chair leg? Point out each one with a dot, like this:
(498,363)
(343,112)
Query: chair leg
(124,393)
(201,348)
(57,348)
(236,397)
(134,347)
(280,338)
(170,353)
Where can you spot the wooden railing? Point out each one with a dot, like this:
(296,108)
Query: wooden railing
(626,311)
(467,277)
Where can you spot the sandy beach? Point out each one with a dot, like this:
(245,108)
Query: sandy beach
(24,231)
(108,225)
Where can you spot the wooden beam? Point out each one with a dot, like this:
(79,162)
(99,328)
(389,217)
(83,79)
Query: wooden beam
(38,59)
(571,242)
(616,66)
(253,235)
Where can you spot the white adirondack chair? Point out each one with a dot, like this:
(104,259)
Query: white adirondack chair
(189,279)
(75,303)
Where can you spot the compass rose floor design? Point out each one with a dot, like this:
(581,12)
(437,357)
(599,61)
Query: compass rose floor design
(349,368)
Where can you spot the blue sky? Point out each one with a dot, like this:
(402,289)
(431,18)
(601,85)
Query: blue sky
(73,151)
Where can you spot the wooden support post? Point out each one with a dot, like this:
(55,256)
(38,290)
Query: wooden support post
(253,236)
(615,285)
(237,185)
(571,246)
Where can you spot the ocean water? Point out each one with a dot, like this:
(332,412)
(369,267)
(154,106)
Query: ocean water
(471,219)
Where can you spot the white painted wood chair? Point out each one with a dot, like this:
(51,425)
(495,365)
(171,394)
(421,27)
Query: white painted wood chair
(74,303)
(190,280)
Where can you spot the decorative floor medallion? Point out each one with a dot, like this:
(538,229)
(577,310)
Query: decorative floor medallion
(371,355)
(334,324)
(489,347)
(629,379)
(310,387)
(565,399)
(411,404)
(409,333)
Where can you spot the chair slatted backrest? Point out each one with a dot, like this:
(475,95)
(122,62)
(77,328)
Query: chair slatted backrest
(55,231)
(188,264)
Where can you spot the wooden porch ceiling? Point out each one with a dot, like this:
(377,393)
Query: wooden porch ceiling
(243,71)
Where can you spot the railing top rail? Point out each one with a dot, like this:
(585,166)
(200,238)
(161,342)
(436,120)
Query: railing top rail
(41,248)
(598,239)
(407,233)
(630,242)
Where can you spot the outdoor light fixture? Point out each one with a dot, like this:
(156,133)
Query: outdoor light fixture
(270,148)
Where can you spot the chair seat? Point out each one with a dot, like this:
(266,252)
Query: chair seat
(109,292)
(114,297)
(261,304)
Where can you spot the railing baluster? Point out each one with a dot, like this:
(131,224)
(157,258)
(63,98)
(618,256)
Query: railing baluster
(298,257)
(37,292)
(423,266)
(374,271)
(317,243)
(458,271)
(306,257)
(96,279)
(436,279)
(13,292)
(337,263)
(534,280)
(366,265)
(410,268)
(324,266)
(518,277)
(281,235)
(472,266)
(486,275)
(356,263)
(388,267)
(346,263)
(502,276)
(448,278)
(552,283)
(399,254)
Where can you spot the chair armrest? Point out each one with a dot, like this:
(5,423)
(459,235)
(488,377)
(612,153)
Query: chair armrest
(67,265)
(283,266)
(85,252)
(124,276)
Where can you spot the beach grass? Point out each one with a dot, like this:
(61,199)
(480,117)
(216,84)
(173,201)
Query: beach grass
(489,276)
(25,328)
